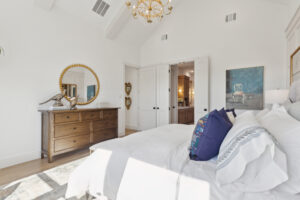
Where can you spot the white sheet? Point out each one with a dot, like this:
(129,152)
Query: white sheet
(147,165)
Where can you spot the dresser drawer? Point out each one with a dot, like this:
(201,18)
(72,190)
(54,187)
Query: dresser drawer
(98,125)
(90,115)
(66,117)
(110,114)
(105,134)
(71,143)
(72,129)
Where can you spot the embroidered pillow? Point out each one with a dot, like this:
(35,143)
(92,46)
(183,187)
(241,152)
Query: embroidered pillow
(208,136)
(231,115)
(224,114)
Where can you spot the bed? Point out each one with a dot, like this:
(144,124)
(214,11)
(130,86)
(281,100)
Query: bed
(153,162)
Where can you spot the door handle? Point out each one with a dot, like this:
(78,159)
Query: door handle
(205,109)
(157,108)
(154,108)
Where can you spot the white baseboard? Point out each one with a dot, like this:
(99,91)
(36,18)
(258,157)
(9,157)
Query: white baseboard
(19,158)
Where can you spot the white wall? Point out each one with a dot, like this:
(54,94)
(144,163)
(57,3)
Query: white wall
(293,6)
(198,28)
(131,116)
(38,45)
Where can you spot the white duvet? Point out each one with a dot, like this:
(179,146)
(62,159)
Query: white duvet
(151,165)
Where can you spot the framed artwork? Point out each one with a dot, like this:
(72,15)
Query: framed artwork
(245,88)
(91,91)
(295,66)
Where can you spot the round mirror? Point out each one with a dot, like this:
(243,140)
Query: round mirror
(79,81)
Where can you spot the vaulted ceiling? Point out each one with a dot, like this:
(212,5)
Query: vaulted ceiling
(117,24)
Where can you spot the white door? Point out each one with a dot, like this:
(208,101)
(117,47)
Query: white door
(147,98)
(201,87)
(163,95)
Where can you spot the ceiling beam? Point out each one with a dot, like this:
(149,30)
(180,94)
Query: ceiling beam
(118,22)
(45,4)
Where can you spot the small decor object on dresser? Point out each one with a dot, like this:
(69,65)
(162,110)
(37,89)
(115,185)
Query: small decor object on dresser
(128,102)
(245,88)
(128,88)
(73,103)
(57,98)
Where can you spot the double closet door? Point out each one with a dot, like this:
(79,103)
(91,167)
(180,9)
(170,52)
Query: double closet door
(154,96)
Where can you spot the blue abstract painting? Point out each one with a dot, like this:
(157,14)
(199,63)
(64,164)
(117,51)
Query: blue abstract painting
(245,88)
(91,90)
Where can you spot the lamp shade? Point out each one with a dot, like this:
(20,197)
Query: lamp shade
(276,96)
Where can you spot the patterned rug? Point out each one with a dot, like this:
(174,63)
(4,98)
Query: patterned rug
(48,185)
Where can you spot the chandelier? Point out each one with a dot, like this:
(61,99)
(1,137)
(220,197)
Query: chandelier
(150,9)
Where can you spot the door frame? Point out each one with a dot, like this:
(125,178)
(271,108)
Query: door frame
(122,110)
(197,61)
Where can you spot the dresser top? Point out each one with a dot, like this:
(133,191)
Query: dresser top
(77,110)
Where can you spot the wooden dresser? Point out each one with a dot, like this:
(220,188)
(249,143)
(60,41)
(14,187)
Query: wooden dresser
(68,130)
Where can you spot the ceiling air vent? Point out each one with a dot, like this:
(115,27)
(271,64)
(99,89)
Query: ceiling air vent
(164,37)
(230,18)
(101,7)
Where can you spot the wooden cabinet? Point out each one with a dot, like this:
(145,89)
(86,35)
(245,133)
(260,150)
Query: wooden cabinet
(186,115)
(68,130)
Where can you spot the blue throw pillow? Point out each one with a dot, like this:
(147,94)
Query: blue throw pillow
(208,136)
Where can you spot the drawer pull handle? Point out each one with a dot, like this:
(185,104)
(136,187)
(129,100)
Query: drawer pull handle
(74,141)
(68,117)
(74,128)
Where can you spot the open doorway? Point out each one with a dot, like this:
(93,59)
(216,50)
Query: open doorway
(182,93)
(131,99)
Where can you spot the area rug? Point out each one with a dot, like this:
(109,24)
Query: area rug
(47,185)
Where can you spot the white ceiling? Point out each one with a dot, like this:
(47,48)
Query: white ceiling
(286,2)
(83,9)
(117,24)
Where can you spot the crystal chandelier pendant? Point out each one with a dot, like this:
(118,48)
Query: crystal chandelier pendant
(150,10)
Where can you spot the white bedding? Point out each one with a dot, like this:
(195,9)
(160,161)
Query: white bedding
(147,165)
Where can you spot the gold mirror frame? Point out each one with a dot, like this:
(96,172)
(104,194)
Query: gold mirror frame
(291,67)
(88,68)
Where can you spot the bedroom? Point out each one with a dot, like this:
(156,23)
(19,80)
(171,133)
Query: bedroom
(40,38)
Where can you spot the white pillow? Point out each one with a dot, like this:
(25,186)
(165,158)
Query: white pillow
(293,109)
(286,130)
(249,158)
(262,113)
(295,91)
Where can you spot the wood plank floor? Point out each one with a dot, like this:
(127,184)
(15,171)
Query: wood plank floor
(10,174)
(130,131)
